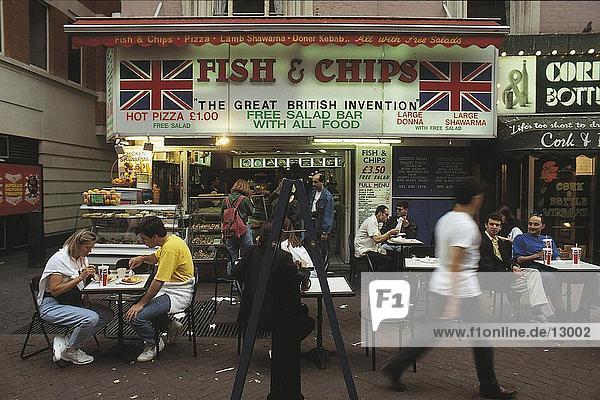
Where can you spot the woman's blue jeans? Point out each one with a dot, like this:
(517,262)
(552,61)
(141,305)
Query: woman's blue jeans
(235,246)
(85,321)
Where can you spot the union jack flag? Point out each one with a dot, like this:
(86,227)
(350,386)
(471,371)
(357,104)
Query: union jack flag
(455,86)
(156,85)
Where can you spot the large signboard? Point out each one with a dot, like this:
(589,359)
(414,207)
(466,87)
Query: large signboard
(373,180)
(549,84)
(315,90)
(20,189)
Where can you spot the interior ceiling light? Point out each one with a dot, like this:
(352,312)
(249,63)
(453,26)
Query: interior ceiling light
(521,52)
(538,53)
(591,51)
(572,52)
(503,54)
(322,151)
(222,141)
(554,52)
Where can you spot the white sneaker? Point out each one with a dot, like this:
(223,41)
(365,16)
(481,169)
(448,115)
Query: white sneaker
(150,351)
(174,331)
(58,346)
(76,356)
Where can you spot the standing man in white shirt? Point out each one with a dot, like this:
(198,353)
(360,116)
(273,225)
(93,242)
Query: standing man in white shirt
(456,295)
(321,210)
(368,240)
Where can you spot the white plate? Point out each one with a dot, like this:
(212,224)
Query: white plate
(129,283)
(427,260)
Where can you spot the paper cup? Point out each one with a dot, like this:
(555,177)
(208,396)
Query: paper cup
(547,256)
(576,251)
(548,243)
(103,275)
(121,273)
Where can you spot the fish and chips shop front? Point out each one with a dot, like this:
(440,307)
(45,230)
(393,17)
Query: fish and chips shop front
(389,109)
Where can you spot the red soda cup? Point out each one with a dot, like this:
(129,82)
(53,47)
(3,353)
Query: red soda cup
(547,256)
(576,254)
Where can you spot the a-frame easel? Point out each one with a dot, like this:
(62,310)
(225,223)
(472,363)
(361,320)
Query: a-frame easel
(312,246)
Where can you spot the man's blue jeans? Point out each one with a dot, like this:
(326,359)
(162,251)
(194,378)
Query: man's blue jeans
(159,306)
(85,321)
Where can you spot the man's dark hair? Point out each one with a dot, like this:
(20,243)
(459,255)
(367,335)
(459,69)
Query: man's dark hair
(320,175)
(539,215)
(465,190)
(495,216)
(403,204)
(150,226)
(380,208)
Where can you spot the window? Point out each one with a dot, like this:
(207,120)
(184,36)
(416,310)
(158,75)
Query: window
(488,9)
(74,62)
(38,34)
(247,7)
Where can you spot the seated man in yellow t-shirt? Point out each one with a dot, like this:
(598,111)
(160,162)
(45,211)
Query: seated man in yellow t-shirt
(171,289)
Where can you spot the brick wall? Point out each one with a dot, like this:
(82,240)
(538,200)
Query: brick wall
(568,17)
(16,29)
(58,44)
(395,8)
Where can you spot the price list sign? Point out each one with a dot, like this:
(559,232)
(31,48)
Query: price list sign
(373,179)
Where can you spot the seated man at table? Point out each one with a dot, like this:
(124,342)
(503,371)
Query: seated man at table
(496,257)
(368,240)
(170,291)
(401,222)
(527,249)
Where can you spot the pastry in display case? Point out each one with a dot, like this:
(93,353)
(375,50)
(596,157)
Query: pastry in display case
(205,223)
(114,225)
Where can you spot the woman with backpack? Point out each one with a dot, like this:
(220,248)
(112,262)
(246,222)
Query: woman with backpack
(235,210)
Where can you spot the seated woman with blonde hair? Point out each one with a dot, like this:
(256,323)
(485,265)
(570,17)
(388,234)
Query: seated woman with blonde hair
(60,300)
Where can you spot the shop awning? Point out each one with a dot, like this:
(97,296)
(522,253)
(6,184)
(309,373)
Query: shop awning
(182,31)
(572,135)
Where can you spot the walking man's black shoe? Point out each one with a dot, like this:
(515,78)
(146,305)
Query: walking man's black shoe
(498,393)
(395,379)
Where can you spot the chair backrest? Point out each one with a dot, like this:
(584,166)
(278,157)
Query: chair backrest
(421,251)
(34,288)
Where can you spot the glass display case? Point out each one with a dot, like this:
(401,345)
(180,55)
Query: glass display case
(205,223)
(114,227)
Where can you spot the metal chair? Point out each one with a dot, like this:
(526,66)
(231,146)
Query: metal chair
(34,285)
(161,324)
(355,260)
(226,278)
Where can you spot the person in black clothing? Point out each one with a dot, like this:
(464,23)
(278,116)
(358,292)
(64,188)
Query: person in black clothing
(401,222)
(247,271)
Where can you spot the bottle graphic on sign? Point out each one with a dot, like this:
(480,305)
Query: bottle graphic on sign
(525,83)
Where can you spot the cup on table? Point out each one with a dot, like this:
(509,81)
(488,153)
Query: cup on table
(121,273)
(547,243)
(576,251)
(103,275)
(547,256)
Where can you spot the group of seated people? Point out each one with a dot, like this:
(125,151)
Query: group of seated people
(170,292)
(61,302)
(504,248)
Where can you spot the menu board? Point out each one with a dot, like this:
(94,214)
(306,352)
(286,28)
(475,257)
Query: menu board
(373,179)
(20,189)
(428,172)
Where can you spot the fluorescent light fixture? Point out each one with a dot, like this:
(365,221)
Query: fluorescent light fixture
(357,140)
(322,151)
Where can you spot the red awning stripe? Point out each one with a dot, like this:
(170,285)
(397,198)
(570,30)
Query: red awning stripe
(270,38)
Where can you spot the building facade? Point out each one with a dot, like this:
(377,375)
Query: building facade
(53,106)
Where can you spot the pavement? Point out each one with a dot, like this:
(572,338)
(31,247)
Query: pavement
(444,373)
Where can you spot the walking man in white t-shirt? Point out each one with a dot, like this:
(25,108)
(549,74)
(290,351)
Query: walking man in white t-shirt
(457,294)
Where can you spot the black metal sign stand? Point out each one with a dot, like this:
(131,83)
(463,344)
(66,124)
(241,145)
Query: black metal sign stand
(312,246)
